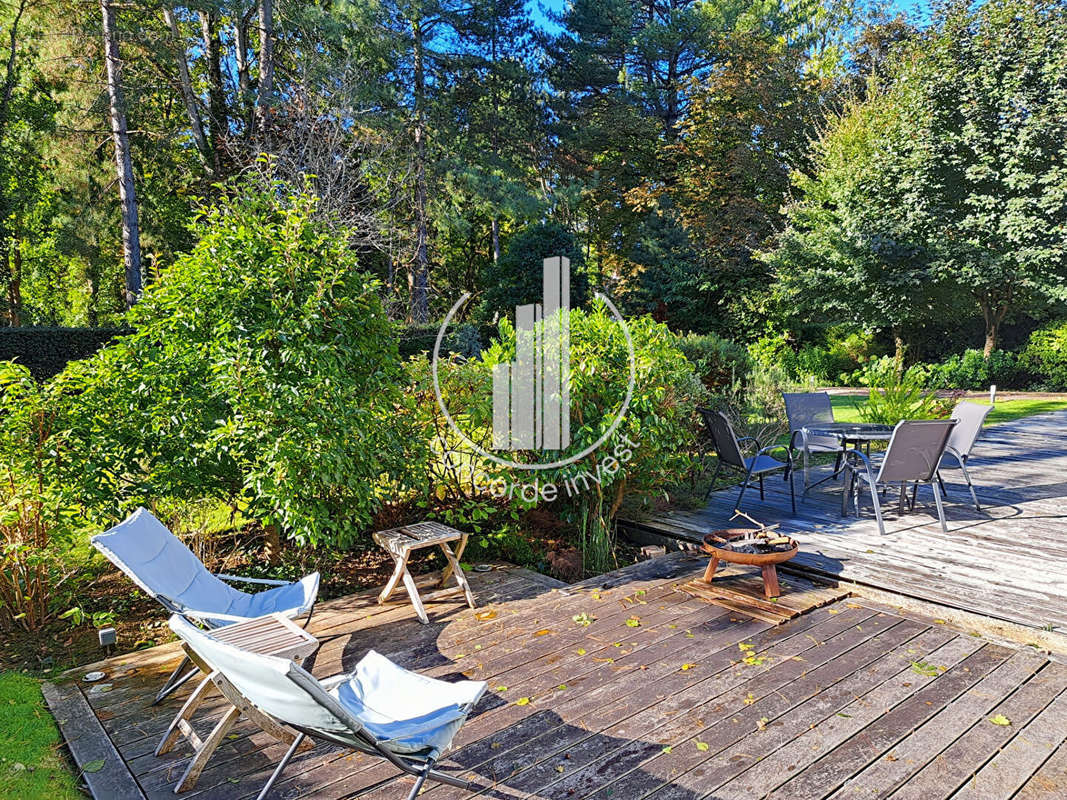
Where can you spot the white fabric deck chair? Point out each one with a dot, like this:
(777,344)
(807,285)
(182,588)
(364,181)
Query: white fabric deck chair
(379,708)
(163,567)
(969,420)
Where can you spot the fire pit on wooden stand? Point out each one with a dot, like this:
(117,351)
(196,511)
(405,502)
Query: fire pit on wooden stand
(761,547)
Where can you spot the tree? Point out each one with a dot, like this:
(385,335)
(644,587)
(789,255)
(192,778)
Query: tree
(131,232)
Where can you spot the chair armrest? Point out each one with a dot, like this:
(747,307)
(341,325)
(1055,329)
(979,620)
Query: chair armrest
(749,439)
(334,680)
(853,454)
(773,447)
(264,581)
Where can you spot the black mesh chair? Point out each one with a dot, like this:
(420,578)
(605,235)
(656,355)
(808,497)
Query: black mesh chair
(804,409)
(728,449)
(912,457)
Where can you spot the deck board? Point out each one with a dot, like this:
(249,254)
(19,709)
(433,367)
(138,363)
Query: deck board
(668,708)
(1007,562)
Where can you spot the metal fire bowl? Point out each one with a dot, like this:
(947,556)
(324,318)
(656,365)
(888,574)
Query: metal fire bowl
(756,559)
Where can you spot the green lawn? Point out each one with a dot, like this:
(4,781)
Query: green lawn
(31,768)
(846,408)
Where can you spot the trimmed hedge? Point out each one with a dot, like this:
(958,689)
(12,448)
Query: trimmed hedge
(46,351)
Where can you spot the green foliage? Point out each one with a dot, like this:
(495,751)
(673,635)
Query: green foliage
(517,277)
(46,351)
(897,394)
(718,362)
(1046,355)
(261,370)
(972,370)
(29,737)
(35,525)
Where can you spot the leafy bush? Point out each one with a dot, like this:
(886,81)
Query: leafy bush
(261,370)
(34,524)
(828,361)
(1046,355)
(718,362)
(897,394)
(973,371)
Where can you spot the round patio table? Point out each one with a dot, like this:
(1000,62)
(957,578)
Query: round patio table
(848,434)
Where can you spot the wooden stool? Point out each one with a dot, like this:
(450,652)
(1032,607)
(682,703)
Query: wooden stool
(272,635)
(400,543)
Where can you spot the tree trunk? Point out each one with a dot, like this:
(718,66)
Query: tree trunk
(272,548)
(131,237)
(266,62)
(209,29)
(244,77)
(419,276)
(993,317)
(188,96)
(496,240)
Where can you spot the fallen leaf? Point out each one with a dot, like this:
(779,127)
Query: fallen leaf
(633,622)
(583,619)
(1000,719)
(543,632)
(562,687)
(687,666)
(701,746)
(523,701)
(750,699)
(581,651)
(501,688)
(485,615)
(94,766)
(666,749)
(761,723)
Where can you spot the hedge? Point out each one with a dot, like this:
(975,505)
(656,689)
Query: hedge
(46,351)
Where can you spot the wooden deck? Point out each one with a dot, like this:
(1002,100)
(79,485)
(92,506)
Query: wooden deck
(662,696)
(1007,562)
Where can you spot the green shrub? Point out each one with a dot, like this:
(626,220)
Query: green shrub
(972,370)
(897,394)
(1045,355)
(35,526)
(261,370)
(718,362)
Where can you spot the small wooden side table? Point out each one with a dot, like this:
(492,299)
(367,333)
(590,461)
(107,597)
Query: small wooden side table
(272,635)
(400,543)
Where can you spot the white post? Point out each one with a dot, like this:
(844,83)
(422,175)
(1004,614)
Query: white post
(992,394)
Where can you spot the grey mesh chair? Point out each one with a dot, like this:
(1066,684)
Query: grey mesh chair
(379,708)
(728,449)
(913,455)
(164,568)
(804,409)
(969,420)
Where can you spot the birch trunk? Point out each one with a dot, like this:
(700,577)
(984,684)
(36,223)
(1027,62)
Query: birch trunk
(131,238)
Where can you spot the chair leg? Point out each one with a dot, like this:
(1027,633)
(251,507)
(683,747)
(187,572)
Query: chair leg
(877,511)
(837,465)
(792,492)
(744,485)
(761,497)
(940,509)
(174,682)
(281,766)
(714,477)
(420,780)
(967,477)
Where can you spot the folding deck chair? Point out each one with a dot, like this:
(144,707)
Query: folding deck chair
(163,567)
(379,708)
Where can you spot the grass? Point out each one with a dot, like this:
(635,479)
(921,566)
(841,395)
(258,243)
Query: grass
(31,767)
(846,408)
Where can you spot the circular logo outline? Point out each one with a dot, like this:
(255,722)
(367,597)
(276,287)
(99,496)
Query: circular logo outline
(515,464)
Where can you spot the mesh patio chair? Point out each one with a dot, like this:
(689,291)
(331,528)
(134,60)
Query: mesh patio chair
(804,409)
(379,708)
(912,457)
(728,449)
(969,420)
(164,568)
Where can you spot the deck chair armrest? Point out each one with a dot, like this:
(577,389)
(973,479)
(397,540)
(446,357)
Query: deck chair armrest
(239,579)
(793,439)
(194,614)
(773,447)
